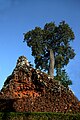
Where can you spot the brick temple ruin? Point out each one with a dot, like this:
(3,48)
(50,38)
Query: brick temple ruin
(31,90)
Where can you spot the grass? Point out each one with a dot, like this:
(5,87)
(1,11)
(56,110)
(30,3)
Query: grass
(38,116)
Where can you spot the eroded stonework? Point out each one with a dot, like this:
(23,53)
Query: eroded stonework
(29,89)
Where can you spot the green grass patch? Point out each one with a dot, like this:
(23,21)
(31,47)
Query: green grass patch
(38,116)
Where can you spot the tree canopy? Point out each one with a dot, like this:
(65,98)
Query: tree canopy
(51,37)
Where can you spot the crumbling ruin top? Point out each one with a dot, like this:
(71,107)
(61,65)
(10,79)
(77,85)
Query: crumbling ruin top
(22,60)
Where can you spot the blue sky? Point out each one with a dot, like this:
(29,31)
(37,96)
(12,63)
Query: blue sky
(20,16)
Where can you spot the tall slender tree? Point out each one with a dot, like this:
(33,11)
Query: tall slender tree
(51,46)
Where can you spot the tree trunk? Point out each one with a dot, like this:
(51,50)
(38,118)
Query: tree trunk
(51,69)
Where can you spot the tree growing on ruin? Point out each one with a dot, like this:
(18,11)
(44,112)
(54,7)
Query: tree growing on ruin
(51,46)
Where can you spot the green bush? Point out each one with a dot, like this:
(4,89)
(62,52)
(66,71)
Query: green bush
(63,77)
(38,116)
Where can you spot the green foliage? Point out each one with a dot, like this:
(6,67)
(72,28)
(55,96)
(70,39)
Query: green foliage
(56,38)
(39,116)
(63,77)
(52,37)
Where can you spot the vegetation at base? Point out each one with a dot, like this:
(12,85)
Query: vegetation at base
(38,116)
